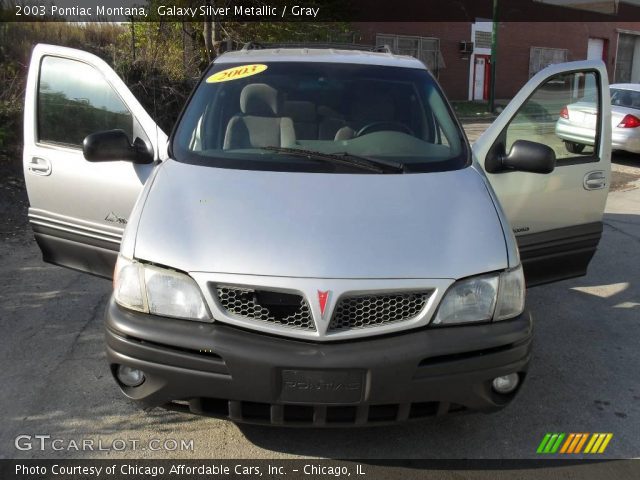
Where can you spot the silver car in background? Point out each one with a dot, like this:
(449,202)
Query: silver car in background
(577,122)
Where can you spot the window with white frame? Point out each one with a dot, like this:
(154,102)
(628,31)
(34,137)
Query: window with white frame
(426,49)
(542,57)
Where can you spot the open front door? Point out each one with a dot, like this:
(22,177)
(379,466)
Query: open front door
(78,209)
(557,216)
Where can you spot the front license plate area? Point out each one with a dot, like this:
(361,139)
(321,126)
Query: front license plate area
(322,386)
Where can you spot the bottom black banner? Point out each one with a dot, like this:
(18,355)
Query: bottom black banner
(316,469)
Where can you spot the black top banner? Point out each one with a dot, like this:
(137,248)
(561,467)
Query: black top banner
(319,10)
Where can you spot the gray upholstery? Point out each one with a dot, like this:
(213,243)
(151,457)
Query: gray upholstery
(305,118)
(254,132)
(260,99)
(345,133)
(259,125)
(330,123)
(369,105)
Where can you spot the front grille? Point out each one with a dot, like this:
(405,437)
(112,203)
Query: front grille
(366,311)
(313,415)
(285,309)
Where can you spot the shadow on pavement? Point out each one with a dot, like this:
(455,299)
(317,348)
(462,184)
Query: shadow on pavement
(582,377)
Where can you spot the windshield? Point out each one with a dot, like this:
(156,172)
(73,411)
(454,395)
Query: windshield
(625,98)
(320,117)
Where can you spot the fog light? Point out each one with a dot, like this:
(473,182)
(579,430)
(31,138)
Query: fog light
(131,377)
(506,384)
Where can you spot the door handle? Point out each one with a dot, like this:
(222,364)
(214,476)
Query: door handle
(595,180)
(39,166)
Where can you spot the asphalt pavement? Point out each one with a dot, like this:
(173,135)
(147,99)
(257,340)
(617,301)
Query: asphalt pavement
(55,380)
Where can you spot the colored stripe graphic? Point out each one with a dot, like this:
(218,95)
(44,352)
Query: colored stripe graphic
(567,443)
(607,439)
(572,443)
(556,445)
(581,442)
(576,439)
(550,443)
(598,443)
(543,443)
(594,437)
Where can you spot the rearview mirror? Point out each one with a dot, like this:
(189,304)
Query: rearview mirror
(527,156)
(113,145)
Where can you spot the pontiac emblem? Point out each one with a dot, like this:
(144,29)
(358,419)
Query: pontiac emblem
(322,300)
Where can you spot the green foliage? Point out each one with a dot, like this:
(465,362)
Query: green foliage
(16,42)
(68,120)
(160,61)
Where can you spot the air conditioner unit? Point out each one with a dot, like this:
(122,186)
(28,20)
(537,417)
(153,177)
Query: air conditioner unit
(466,47)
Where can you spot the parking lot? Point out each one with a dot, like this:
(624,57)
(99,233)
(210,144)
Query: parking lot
(583,377)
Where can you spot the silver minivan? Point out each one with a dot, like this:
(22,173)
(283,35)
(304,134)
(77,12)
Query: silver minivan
(316,242)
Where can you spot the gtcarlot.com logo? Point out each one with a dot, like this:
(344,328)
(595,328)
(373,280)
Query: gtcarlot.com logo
(568,443)
(47,442)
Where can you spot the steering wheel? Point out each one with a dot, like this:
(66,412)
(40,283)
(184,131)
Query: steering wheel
(378,126)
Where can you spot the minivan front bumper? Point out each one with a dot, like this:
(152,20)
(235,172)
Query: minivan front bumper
(220,370)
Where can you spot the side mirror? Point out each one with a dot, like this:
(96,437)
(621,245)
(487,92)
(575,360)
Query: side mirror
(526,156)
(113,145)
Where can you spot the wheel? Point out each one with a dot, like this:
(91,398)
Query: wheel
(573,147)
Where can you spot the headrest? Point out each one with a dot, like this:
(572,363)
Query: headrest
(259,99)
(300,111)
(325,111)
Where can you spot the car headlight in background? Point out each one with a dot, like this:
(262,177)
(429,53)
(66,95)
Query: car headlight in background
(159,291)
(483,298)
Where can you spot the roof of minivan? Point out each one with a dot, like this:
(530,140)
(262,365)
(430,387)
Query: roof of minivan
(326,55)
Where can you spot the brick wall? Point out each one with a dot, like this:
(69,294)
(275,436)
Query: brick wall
(514,42)
(455,77)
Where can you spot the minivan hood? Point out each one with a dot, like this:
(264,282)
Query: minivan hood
(432,225)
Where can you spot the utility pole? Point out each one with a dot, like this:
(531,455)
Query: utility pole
(494,56)
(207,31)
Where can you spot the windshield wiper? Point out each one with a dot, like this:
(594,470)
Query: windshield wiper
(344,158)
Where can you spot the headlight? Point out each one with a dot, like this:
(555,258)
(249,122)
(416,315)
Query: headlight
(482,298)
(469,300)
(159,291)
(510,294)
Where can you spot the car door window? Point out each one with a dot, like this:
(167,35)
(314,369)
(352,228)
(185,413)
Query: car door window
(562,113)
(75,100)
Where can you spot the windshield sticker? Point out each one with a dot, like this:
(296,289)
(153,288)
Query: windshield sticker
(236,73)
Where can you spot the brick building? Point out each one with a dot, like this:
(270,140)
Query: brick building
(458,53)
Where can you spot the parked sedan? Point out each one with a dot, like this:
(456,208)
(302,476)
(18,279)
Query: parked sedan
(576,125)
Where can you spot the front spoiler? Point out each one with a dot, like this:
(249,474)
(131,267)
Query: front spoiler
(219,370)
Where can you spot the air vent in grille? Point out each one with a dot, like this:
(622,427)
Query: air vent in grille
(366,311)
(286,309)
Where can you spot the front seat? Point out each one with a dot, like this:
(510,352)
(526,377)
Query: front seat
(369,105)
(259,124)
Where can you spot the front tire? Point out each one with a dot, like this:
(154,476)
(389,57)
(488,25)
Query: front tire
(573,147)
